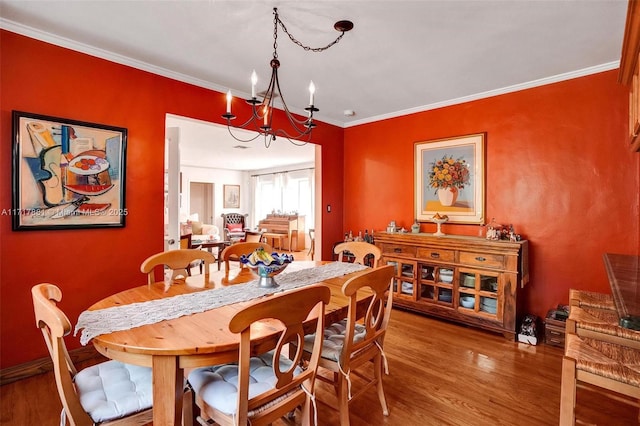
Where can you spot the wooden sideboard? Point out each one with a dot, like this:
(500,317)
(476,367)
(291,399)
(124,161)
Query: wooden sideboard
(470,280)
(630,70)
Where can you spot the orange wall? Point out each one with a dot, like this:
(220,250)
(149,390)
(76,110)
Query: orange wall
(557,168)
(90,264)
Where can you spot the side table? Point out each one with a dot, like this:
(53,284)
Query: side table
(220,245)
(554,329)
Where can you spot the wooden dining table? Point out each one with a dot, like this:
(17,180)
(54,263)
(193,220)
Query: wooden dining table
(170,347)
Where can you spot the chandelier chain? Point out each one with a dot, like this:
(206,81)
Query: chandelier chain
(293,39)
(275,34)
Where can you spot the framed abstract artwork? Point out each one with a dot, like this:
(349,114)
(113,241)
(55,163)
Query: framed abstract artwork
(231,195)
(67,173)
(450,179)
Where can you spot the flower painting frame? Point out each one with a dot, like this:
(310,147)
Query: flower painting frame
(67,174)
(450,179)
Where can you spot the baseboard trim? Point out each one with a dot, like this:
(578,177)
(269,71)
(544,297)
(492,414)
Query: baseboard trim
(45,365)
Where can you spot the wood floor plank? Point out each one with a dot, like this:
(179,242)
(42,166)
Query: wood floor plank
(440,374)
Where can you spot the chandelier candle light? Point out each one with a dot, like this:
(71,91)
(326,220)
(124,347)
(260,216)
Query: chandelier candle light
(261,119)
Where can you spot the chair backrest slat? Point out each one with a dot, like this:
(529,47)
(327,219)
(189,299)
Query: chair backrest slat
(234,251)
(290,310)
(178,261)
(360,251)
(377,282)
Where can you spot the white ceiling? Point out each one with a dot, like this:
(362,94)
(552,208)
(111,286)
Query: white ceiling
(401,57)
(204,144)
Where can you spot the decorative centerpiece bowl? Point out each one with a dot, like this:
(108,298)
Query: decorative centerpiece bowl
(266,265)
(439,219)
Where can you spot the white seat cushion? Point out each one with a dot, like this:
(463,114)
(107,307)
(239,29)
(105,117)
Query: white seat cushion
(334,336)
(218,385)
(111,390)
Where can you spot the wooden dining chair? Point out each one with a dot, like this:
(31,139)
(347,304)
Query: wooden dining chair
(312,243)
(260,389)
(253,236)
(186,242)
(233,252)
(107,393)
(363,252)
(351,344)
(178,261)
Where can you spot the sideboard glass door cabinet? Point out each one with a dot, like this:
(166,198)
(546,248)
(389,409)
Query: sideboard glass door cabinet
(470,280)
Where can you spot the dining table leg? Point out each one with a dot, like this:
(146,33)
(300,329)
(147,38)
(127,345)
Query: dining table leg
(168,388)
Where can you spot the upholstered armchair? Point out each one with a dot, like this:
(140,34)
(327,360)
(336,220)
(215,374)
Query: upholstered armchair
(234,226)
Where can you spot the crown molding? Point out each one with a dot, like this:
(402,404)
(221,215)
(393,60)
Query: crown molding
(125,60)
(509,89)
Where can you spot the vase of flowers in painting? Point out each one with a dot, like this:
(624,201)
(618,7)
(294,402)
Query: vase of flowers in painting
(448,196)
(447,177)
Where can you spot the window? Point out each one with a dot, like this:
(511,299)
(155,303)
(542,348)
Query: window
(286,192)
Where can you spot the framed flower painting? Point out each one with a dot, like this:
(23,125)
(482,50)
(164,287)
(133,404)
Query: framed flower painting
(450,179)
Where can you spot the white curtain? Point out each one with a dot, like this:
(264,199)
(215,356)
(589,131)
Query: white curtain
(285,192)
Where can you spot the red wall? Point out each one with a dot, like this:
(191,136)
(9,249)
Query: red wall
(558,168)
(90,264)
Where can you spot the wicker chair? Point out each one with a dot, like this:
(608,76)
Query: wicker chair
(598,352)
(591,299)
(601,324)
(599,364)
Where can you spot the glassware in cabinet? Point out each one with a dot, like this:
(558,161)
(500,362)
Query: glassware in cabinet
(426,273)
(445,295)
(404,281)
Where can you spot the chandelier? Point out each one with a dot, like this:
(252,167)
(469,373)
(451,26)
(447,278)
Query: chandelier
(261,119)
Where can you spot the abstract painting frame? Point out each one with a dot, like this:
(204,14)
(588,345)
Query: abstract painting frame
(450,179)
(67,173)
(231,196)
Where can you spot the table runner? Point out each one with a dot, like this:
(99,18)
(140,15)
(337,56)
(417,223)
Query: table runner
(117,318)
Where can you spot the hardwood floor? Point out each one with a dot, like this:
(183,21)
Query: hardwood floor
(440,374)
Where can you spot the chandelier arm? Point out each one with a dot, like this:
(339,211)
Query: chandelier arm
(269,93)
(239,139)
(301,127)
(253,118)
(293,120)
(267,140)
(295,140)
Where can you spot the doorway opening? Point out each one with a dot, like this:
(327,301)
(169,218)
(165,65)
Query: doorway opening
(203,158)
(202,201)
